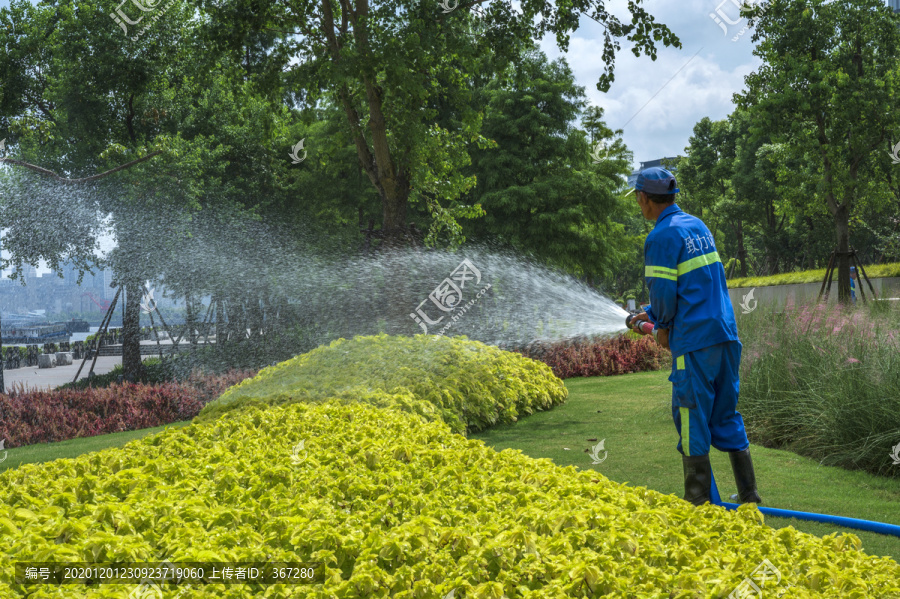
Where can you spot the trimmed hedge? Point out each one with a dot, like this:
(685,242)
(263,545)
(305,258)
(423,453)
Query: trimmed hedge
(876,271)
(467,384)
(393,506)
(9,351)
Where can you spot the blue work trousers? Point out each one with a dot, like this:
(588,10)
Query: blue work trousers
(705,387)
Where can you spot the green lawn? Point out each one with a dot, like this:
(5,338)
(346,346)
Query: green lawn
(45,452)
(633,414)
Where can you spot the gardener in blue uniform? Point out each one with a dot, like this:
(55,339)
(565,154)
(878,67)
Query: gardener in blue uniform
(853,283)
(691,310)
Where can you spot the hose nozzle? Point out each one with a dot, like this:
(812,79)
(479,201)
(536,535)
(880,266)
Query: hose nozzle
(641,327)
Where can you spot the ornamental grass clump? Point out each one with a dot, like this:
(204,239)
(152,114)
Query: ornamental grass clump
(392,505)
(824,382)
(467,384)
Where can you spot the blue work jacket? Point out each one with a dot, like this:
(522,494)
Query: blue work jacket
(686,280)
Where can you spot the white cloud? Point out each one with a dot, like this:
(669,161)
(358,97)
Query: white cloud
(702,86)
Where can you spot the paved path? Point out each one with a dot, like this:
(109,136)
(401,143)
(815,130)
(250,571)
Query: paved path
(33,377)
(50,378)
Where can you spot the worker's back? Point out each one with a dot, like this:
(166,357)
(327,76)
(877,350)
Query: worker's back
(688,288)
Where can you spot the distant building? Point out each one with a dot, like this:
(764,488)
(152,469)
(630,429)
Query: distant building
(663,162)
(70,275)
(895,4)
(29,272)
(108,291)
(54,294)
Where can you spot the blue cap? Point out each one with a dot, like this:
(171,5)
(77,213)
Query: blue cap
(852,269)
(656,180)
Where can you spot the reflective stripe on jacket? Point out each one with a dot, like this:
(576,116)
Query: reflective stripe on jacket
(686,280)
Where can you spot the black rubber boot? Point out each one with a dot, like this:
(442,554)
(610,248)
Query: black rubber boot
(697,478)
(742,466)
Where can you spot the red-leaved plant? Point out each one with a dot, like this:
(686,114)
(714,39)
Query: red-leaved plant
(618,355)
(28,417)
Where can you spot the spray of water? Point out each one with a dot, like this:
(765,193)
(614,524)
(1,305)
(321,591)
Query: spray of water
(316,289)
(483,293)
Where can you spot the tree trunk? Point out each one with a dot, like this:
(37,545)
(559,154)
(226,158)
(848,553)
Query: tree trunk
(2,365)
(774,227)
(232,330)
(220,322)
(810,259)
(742,251)
(394,216)
(131,332)
(398,297)
(842,232)
(190,319)
(840,212)
(771,263)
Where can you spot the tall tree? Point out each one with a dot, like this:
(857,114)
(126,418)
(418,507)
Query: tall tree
(81,97)
(388,64)
(540,189)
(826,89)
(74,88)
(755,182)
(707,173)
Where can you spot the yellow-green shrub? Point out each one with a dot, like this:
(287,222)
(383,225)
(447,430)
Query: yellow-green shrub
(469,384)
(397,507)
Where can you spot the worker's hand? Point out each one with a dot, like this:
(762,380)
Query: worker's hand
(662,337)
(640,316)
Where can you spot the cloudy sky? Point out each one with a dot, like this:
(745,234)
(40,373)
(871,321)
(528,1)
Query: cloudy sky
(658,102)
